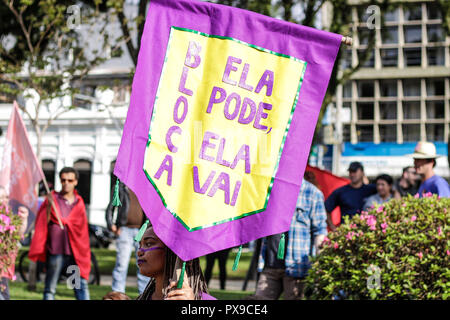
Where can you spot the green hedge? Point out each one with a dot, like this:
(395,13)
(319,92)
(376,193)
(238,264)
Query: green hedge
(398,250)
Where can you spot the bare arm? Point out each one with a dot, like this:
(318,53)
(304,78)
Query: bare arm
(23,214)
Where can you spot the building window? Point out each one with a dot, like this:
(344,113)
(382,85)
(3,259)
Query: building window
(411,87)
(388,88)
(388,133)
(435,132)
(413,56)
(411,132)
(346,61)
(388,110)
(363,15)
(365,110)
(346,133)
(389,57)
(435,109)
(87,92)
(436,56)
(120,94)
(411,109)
(435,33)
(84,168)
(366,89)
(347,89)
(364,35)
(364,133)
(433,11)
(413,12)
(369,61)
(413,34)
(435,87)
(389,35)
(391,15)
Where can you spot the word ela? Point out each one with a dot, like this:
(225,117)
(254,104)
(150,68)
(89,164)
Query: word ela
(218,95)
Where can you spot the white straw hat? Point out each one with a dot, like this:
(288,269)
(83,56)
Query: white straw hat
(424,150)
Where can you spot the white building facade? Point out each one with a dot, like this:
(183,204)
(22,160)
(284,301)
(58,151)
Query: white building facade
(86,138)
(399,96)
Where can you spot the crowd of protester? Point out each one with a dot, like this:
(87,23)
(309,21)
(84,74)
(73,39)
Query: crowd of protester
(61,235)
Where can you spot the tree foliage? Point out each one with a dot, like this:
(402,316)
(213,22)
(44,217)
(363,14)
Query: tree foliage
(398,250)
(49,53)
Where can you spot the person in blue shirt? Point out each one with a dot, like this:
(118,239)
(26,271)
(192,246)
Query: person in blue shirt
(350,198)
(424,162)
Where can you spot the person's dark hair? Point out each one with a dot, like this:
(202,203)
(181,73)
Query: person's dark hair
(407,168)
(311,177)
(355,165)
(193,273)
(434,162)
(386,178)
(69,170)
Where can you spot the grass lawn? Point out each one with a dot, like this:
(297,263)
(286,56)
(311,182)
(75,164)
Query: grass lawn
(106,260)
(19,291)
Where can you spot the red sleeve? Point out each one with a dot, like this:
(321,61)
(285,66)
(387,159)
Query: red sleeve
(79,238)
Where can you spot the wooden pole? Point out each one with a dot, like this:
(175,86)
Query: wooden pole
(53,203)
(32,265)
(177,272)
(347,40)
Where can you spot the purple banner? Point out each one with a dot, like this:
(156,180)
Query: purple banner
(318,49)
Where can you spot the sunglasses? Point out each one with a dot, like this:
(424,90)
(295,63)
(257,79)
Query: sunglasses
(68,180)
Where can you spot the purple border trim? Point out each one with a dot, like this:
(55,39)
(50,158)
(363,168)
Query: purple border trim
(317,48)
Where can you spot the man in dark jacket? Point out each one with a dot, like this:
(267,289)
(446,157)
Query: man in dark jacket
(126,225)
(350,198)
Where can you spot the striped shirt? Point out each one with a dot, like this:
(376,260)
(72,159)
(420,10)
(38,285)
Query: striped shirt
(308,222)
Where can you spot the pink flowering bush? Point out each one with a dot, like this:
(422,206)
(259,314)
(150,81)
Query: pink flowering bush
(9,237)
(398,250)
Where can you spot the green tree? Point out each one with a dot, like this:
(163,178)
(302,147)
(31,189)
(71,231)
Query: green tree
(49,53)
(444,7)
(304,12)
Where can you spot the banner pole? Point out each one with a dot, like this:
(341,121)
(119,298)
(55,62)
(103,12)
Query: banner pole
(53,203)
(347,40)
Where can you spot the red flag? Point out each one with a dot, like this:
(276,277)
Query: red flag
(327,183)
(20,170)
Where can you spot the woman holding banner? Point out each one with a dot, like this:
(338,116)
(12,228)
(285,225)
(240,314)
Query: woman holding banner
(157,261)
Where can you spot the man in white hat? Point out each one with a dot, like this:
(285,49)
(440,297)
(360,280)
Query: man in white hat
(424,162)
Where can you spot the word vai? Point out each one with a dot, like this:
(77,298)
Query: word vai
(218,95)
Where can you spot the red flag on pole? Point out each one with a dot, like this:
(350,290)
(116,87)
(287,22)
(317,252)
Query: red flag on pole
(20,170)
(327,183)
